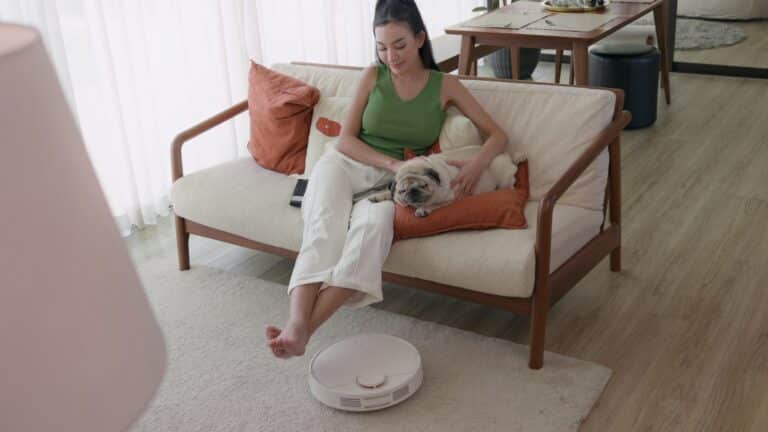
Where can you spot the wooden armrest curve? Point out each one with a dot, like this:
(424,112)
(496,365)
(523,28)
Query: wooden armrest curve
(547,204)
(186,135)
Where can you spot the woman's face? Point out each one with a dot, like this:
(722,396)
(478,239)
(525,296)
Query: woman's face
(398,48)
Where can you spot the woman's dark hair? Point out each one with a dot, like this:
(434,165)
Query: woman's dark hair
(405,11)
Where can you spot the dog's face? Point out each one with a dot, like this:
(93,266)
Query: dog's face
(416,183)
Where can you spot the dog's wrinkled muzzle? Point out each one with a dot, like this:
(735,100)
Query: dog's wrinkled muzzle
(416,196)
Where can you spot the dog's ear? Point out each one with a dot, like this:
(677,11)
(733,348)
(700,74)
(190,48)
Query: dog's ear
(392,187)
(431,173)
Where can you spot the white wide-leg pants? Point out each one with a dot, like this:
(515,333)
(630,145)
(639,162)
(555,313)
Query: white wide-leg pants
(344,245)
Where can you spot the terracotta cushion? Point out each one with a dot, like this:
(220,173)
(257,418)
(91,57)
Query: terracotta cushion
(280,109)
(503,208)
(410,154)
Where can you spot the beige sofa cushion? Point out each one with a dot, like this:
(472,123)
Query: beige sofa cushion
(552,125)
(330,107)
(497,261)
(242,198)
(458,131)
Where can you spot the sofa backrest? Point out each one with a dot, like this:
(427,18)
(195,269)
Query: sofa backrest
(551,124)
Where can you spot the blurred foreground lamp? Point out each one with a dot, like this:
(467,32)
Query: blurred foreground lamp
(80,349)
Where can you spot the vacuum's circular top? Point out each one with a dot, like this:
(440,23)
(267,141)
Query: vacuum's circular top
(365,367)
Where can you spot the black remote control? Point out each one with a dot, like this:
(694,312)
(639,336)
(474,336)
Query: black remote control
(298,192)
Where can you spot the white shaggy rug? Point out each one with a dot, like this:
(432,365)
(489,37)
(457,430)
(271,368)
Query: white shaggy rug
(698,34)
(221,377)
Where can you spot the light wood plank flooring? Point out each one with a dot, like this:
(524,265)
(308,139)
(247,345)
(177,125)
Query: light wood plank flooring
(685,325)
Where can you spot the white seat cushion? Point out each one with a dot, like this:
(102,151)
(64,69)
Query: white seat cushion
(242,198)
(498,261)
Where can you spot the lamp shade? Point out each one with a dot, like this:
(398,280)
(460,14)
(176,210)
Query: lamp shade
(80,349)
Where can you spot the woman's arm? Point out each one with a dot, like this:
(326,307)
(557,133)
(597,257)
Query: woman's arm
(495,143)
(349,143)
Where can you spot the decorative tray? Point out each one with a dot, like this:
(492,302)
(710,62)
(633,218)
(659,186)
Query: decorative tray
(550,6)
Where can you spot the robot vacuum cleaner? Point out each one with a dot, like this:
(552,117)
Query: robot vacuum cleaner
(365,372)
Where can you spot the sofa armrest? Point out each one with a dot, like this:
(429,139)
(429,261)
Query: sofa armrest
(176,162)
(546,207)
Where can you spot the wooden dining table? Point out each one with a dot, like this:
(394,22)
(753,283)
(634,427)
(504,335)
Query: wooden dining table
(577,42)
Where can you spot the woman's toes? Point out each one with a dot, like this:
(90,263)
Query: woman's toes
(287,342)
(272,332)
(278,352)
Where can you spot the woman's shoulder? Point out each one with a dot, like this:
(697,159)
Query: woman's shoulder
(450,80)
(369,76)
(375,71)
(371,70)
(450,84)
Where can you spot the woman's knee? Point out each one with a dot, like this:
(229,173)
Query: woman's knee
(383,211)
(380,218)
(329,186)
(328,163)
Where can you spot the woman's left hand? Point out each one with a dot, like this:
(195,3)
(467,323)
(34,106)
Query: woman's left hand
(469,174)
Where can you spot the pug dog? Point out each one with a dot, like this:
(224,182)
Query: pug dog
(424,183)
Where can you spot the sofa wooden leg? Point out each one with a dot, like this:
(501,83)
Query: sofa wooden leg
(538,331)
(182,243)
(616,259)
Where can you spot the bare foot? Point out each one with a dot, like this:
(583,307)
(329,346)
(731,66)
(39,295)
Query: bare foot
(291,341)
(272,333)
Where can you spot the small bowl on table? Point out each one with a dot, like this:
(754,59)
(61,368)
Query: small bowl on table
(575,5)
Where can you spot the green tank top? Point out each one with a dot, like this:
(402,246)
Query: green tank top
(390,124)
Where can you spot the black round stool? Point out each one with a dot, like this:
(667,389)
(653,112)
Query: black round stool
(633,68)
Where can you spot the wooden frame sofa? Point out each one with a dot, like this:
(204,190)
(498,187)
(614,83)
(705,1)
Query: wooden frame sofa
(549,286)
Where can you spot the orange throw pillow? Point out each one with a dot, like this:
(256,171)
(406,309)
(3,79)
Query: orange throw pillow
(503,208)
(434,148)
(280,109)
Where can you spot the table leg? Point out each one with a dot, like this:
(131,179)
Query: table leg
(661,20)
(514,59)
(558,65)
(466,55)
(579,63)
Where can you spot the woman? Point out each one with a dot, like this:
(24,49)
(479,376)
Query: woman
(399,103)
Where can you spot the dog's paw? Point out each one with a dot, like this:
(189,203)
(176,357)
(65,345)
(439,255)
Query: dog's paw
(381,196)
(421,212)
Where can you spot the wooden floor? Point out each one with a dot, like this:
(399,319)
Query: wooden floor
(685,325)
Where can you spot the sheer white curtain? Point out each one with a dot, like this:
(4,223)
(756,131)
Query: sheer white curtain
(333,31)
(138,72)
